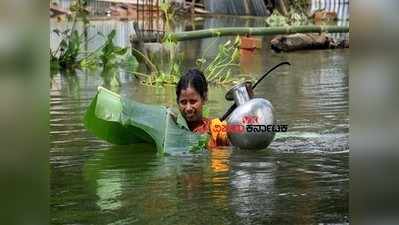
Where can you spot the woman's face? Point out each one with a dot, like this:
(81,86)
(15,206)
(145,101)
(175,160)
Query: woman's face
(190,104)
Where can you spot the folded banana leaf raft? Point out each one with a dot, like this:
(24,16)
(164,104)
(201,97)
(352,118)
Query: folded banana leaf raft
(122,121)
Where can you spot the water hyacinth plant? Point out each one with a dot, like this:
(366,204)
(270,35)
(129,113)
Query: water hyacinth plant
(295,16)
(69,55)
(219,70)
(109,55)
(65,57)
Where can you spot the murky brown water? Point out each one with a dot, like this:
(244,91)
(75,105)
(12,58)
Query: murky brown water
(302,178)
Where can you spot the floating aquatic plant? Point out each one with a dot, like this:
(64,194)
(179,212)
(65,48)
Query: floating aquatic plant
(276,20)
(202,144)
(110,53)
(66,55)
(219,70)
(69,54)
(296,16)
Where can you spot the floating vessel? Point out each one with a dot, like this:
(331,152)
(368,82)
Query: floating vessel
(123,121)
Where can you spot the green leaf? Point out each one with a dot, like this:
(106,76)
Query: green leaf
(227,43)
(111,35)
(120,51)
(123,121)
(236,55)
(202,144)
(237,41)
(115,81)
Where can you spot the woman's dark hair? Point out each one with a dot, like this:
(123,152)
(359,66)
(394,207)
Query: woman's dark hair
(195,79)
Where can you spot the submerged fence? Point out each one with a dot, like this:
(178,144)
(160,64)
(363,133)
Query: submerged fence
(146,14)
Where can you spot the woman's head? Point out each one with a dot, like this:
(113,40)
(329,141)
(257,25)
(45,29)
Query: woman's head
(191,94)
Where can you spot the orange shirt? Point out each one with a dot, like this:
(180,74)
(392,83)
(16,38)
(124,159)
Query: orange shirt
(218,136)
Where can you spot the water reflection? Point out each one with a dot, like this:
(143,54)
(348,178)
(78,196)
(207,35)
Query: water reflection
(251,190)
(172,187)
(107,171)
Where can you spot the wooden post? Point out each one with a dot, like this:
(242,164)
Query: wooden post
(138,49)
(281,7)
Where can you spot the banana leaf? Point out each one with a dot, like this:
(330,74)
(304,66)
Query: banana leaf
(122,121)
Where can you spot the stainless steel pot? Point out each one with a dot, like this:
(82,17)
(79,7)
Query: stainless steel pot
(252,115)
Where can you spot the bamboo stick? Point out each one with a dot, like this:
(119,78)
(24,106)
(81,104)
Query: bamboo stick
(255,31)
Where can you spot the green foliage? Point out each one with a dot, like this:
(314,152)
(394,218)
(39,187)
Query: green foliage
(296,16)
(299,4)
(202,144)
(173,73)
(161,79)
(169,13)
(111,54)
(110,77)
(219,70)
(124,121)
(69,55)
(66,55)
(169,39)
(78,9)
(276,20)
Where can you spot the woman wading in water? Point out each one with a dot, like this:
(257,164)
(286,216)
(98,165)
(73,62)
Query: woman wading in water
(192,94)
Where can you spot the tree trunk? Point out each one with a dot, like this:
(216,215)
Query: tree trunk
(139,52)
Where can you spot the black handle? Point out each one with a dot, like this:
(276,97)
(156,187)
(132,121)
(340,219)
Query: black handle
(232,107)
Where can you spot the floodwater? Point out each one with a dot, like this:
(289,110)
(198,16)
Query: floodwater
(301,178)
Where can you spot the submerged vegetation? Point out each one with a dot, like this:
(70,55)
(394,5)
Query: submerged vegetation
(110,55)
(219,70)
(67,56)
(293,18)
(109,58)
(70,54)
(295,15)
